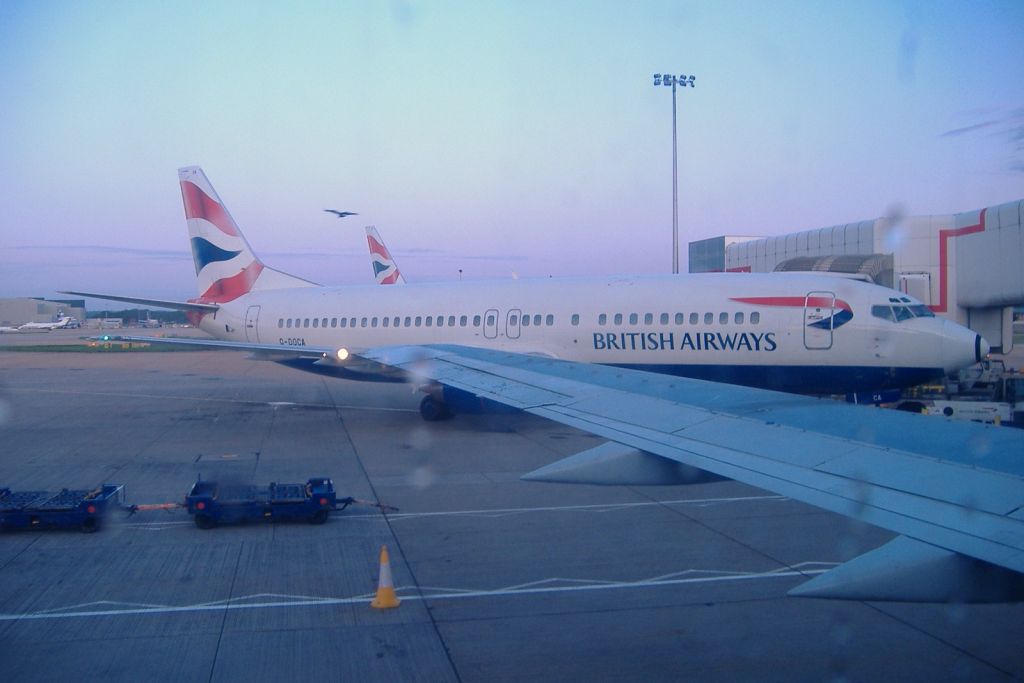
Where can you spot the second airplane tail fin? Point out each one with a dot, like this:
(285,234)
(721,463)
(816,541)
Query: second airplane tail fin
(226,266)
(385,270)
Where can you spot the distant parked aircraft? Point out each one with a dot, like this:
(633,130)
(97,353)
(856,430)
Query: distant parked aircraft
(62,322)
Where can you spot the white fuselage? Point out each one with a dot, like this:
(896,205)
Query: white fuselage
(795,332)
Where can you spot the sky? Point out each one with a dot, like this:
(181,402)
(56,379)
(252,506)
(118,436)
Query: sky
(498,139)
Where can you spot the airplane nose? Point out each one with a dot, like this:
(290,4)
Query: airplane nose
(960,346)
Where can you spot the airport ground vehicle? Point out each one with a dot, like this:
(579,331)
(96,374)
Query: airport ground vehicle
(66,509)
(211,503)
(987,392)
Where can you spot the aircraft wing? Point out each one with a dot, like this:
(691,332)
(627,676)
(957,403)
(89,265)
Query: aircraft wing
(955,491)
(258,349)
(160,303)
(319,359)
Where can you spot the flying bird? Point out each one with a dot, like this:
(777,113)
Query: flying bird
(341,214)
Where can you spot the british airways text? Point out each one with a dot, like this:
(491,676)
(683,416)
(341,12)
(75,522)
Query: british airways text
(687,341)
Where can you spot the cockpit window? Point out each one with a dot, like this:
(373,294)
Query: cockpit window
(883,312)
(898,312)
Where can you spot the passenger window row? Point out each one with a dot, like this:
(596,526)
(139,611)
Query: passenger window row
(679,318)
(537,320)
(526,320)
(380,321)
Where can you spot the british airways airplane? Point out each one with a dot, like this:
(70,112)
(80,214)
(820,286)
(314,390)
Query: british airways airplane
(801,333)
(575,351)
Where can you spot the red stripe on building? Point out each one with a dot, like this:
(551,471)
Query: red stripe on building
(738,269)
(944,237)
(198,204)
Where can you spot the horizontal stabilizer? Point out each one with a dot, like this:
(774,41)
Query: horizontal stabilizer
(613,464)
(159,303)
(908,570)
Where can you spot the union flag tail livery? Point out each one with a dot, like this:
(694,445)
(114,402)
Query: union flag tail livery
(226,266)
(385,270)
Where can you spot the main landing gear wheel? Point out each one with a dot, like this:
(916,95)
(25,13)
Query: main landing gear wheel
(205,522)
(320,516)
(433,410)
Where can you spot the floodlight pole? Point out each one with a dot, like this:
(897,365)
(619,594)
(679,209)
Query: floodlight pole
(683,81)
(675,188)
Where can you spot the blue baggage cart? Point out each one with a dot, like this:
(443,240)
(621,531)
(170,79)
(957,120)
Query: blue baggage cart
(211,503)
(66,509)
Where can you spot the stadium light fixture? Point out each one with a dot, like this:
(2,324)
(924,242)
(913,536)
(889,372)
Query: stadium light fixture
(682,81)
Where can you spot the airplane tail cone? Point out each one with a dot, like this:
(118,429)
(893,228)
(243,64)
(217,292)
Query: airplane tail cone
(386,597)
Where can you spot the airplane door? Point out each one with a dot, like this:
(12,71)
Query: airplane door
(252,317)
(818,320)
(491,323)
(512,323)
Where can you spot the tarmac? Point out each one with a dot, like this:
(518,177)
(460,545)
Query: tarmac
(499,579)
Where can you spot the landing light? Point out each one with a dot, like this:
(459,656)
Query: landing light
(342,354)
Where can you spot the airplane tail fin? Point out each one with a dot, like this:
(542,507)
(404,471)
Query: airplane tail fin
(226,266)
(385,270)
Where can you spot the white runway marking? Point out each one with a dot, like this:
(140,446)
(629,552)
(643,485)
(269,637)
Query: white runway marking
(599,507)
(157,526)
(504,512)
(543,586)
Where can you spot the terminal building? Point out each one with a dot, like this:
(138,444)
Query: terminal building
(968,267)
(15,312)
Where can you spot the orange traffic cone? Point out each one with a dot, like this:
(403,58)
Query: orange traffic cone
(386,597)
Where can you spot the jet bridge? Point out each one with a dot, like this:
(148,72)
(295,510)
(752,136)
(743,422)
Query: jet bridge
(966,266)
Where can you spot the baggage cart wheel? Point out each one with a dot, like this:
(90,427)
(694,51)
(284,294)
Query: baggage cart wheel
(320,516)
(90,525)
(205,522)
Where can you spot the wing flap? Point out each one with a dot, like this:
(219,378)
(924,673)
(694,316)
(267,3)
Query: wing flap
(981,490)
(774,440)
(643,412)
